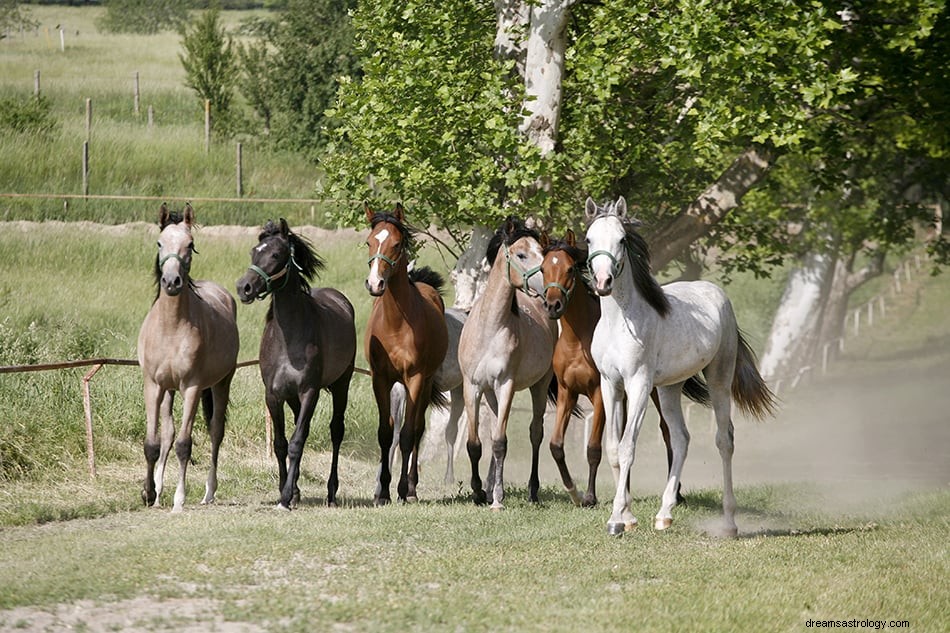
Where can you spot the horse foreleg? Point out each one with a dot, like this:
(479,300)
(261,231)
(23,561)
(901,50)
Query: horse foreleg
(637,390)
(566,401)
(665,432)
(303,414)
(594,448)
(153,399)
(190,399)
(670,403)
(384,435)
(167,439)
(220,394)
(473,398)
(505,392)
(340,391)
(539,392)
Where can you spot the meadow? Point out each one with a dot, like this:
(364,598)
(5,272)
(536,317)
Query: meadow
(844,510)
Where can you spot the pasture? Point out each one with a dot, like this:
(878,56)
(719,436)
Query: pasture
(843,505)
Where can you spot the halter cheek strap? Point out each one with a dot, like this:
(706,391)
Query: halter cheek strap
(525,274)
(270,279)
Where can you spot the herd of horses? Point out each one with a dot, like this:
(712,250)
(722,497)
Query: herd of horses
(555,319)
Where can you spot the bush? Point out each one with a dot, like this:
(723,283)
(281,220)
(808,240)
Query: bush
(143,16)
(26,116)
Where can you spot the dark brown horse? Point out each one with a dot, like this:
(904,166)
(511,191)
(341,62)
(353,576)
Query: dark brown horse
(188,343)
(406,341)
(566,296)
(309,344)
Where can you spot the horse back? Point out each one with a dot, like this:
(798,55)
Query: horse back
(336,328)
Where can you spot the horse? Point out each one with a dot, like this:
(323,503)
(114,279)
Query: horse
(405,343)
(563,271)
(188,342)
(506,346)
(649,337)
(308,344)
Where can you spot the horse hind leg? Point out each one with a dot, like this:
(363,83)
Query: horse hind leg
(566,401)
(219,396)
(725,442)
(671,406)
(457,406)
(152,446)
(340,392)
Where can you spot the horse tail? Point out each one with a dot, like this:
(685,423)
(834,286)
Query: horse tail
(437,397)
(427,276)
(749,390)
(552,397)
(695,389)
(207,406)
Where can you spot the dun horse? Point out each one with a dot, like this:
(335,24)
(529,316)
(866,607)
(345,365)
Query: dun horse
(188,343)
(563,272)
(406,342)
(309,344)
(506,346)
(651,336)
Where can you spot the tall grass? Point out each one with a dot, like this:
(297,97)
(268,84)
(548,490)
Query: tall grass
(127,156)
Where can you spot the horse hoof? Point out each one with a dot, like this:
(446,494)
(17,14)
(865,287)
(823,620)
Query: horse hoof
(412,499)
(178,509)
(616,529)
(381,501)
(331,503)
(575,497)
(589,502)
(280,506)
(497,507)
(630,526)
(662,524)
(479,497)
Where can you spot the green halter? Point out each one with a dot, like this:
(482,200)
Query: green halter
(616,266)
(525,274)
(269,279)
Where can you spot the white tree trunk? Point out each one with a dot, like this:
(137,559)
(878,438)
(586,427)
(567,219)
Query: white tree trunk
(544,70)
(796,328)
(471,270)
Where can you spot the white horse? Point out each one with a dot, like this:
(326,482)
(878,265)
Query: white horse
(650,336)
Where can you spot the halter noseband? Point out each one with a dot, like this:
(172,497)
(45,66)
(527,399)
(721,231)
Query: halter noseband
(269,279)
(525,274)
(567,292)
(616,266)
(181,261)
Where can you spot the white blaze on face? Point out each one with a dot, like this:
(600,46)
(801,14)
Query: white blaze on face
(374,278)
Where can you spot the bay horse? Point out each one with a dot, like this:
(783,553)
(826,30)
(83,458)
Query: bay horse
(506,346)
(406,341)
(187,343)
(308,344)
(563,272)
(649,337)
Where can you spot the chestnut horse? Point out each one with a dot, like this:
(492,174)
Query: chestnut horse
(406,341)
(308,344)
(650,336)
(506,346)
(563,271)
(188,343)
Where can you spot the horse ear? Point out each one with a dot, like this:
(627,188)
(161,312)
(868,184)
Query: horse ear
(590,208)
(622,207)
(510,225)
(569,238)
(369,212)
(284,228)
(399,212)
(544,240)
(189,215)
(163,216)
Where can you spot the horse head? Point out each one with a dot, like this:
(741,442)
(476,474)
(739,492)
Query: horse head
(522,248)
(175,248)
(606,240)
(389,246)
(280,256)
(560,272)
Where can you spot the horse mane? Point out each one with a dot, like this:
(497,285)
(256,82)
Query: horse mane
(427,276)
(638,255)
(306,259)
(502,234)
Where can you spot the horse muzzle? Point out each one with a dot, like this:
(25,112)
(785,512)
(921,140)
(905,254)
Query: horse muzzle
(603,287)
(376,288)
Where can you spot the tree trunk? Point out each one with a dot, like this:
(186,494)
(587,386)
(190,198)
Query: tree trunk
(797,325)
(471,270)
(669,240)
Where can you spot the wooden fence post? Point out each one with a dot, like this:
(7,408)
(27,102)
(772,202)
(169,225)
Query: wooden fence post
(207,125)
(36,84)
(85,168)
(240,175)
(88,118)
(135,97)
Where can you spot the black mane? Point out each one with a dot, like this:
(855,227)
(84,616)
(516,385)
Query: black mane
(306,261)
(408,234)
(427,276)
(511,230)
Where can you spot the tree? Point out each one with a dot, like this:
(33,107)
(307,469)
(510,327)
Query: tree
(144,16)
(13,17)
(210,66)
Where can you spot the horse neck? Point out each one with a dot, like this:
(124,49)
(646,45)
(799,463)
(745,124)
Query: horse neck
(177,309)
(498,295)
(287,302)
(399,293)
(625,301)
(580,315)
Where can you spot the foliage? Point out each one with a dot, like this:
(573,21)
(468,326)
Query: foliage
(13,17)
(434,118)
(210,65)
(289,71)
(27,115)
(144,16)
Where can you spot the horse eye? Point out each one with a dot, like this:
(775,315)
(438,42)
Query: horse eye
(159,244)
(570,271)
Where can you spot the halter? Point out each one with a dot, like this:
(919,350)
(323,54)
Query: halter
(567,292)
(269,279)
(616,266)
(181,260)
(391,262)
(525,274)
